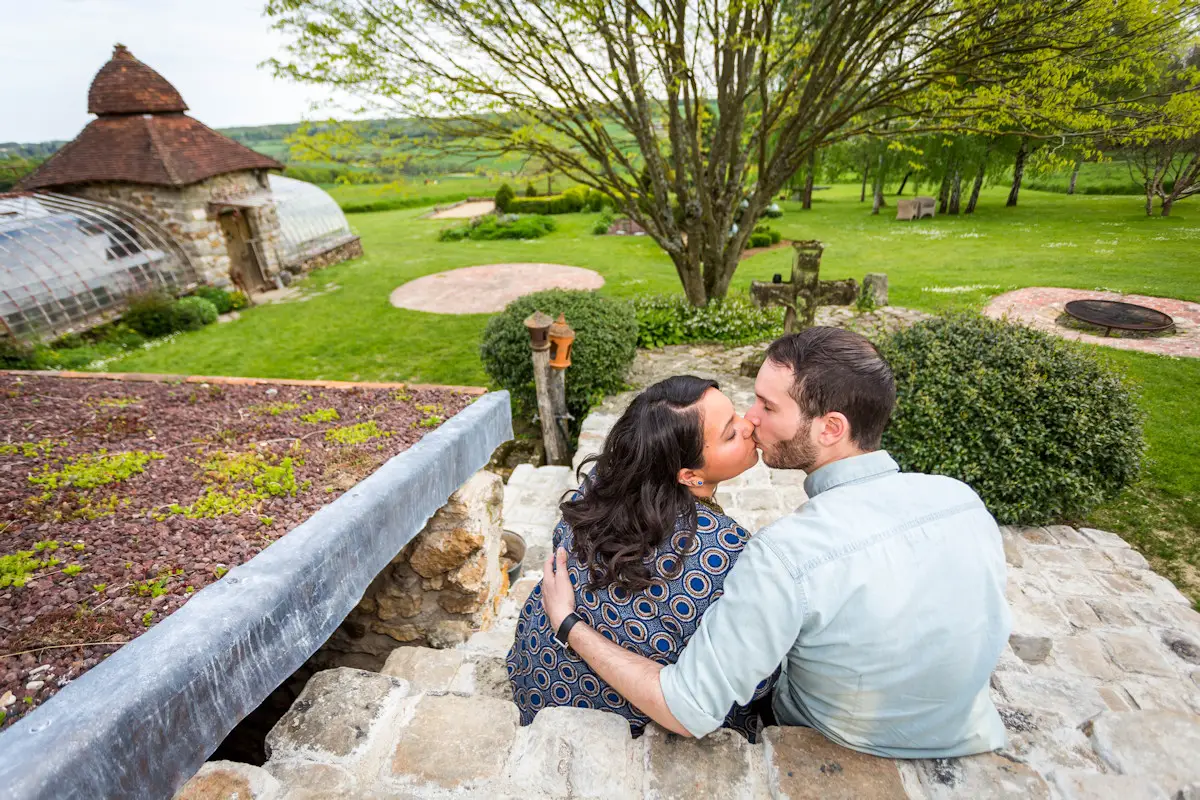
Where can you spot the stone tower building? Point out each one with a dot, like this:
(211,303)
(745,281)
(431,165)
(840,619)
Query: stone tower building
(144,153)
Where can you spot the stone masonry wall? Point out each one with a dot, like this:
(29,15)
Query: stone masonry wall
(334,255)
(185,213)
(443,586)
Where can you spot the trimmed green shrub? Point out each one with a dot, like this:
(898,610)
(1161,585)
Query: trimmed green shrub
(671,319)
(547,204)
(151,314)
(764,236)
(597,201)
(220,298)
(492,228)
(605,344)
(504,196)
(603,223)
(193,313)
(1040,428)
(238,300)
(530,191)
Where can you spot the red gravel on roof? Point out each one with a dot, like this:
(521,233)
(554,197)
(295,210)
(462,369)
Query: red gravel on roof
(142,136)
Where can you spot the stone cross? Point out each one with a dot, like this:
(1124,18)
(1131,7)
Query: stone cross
(801,295)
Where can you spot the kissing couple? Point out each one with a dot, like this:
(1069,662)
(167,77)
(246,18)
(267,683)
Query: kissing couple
(874,613)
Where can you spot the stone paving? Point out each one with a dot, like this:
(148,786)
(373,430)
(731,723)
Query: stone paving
(488,288)
(1040,307)
(468,209)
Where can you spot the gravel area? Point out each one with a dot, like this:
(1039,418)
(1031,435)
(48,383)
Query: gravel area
(119,500)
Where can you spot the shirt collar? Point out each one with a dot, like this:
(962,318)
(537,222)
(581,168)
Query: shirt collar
(849,470)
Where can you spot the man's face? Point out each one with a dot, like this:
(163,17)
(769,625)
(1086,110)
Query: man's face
(781,431)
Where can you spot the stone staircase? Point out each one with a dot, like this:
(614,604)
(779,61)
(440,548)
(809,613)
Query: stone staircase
(1099,689)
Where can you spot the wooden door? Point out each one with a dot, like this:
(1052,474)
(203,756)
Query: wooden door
(244,269)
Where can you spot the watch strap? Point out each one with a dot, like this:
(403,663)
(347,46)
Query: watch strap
(564,630)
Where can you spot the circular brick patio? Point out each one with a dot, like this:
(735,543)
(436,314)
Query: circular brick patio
(489,288)
(1039,307)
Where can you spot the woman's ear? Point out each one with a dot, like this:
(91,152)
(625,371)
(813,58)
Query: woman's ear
(689,477)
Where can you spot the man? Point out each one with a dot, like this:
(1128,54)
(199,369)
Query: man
(883,595)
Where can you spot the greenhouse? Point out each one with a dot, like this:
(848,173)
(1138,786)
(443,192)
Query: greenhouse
(310,221)
(67,263)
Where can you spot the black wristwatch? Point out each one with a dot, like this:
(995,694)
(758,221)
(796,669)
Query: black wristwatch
(564,630)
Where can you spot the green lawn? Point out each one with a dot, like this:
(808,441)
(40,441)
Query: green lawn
(1087,242)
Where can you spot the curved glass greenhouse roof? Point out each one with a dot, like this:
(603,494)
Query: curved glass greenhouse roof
(310,221)
(68,263)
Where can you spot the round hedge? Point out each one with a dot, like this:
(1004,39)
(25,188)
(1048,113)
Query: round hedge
(193,313)
(1040,428)
(605,343)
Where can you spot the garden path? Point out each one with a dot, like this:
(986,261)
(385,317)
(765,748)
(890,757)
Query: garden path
(1041,306)
(488,288)
(466,210)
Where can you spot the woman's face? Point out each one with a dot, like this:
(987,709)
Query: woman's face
(729,448)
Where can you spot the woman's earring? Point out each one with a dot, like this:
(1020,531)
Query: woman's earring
(699,483)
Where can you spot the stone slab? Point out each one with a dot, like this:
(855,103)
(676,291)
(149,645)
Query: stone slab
(804,765)
(333,715)
(309,780)
(721,766)
(1080,785)
(229,780)
(984,777)
(425,669)
(576,752)
(1160,745)
(1075,699)
(1137,652)
(170,696)
(455,742)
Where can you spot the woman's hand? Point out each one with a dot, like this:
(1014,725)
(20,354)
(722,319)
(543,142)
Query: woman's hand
(558,595)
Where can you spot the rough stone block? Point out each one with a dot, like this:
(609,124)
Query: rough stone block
(1182,646)
(483,677)
(1117,699)
(719,766)
(1162,694)
(1079,785)
(1137,652)
(1075,699)
(333,715)
(1067,536)
(1079,612)
(1126,557)
(1112,613)
(1103,538)
(1033,534)
(308,780)
(1030,649)
(521,590)
(1012,552)
(1162,588)
(1071,581)
(229,780)
(1038,617)
(455,741)
(576,752)
(1160,745)
(425,669)
(984,777)
(448,633)
(1044,738)
(803,764)
(1082,654)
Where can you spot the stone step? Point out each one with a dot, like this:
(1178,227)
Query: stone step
(531,499)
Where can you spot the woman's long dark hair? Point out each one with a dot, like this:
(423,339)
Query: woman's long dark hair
(633,499)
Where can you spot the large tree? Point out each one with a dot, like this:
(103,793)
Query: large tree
(690,114)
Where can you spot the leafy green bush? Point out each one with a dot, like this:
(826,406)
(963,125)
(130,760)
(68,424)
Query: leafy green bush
(504,196)
(530,191)
(605,344)
(220,298)
(546,204)
(764,236)
(671,319)
(238,300)
(597,201)
(1040,428)
(193,313)
(491,228)
(150,314)
(602,223)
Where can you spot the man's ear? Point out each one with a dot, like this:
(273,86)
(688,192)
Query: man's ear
(834,428)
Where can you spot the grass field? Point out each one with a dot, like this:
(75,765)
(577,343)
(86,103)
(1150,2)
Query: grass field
(1086,242)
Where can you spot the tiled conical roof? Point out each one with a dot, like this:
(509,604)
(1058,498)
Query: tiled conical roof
(127,86)
(141,135)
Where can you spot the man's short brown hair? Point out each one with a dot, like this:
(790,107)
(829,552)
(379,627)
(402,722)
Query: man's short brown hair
(836,370)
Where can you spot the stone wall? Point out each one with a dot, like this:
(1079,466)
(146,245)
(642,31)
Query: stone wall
(443,586)
(334,255)
(187,215)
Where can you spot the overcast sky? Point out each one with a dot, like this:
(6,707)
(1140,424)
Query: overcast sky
(209,49)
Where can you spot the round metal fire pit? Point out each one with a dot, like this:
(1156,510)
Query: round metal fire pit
(1110,314)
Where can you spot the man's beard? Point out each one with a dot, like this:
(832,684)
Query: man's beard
(799,452)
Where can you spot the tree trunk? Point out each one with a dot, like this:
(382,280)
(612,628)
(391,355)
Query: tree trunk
(944,191)
(806,199)
(1149,198)
(863,194)
(955,191)
(978,185)
(1074,177)
(903,183)
(1018,175)
(1167,202)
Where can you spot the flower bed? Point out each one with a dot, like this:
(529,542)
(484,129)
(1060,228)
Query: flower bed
(119,500)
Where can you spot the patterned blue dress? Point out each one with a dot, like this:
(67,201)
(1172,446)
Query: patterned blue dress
(655,623)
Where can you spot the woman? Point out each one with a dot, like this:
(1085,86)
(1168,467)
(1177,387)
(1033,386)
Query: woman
(649,549)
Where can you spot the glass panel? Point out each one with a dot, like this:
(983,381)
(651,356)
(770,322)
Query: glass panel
(310,221)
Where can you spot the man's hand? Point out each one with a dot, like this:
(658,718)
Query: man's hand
(558,595)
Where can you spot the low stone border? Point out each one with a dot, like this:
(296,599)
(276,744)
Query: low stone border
(234,381)
(143,721)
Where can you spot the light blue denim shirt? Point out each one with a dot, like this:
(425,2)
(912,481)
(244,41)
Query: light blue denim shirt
(883,596)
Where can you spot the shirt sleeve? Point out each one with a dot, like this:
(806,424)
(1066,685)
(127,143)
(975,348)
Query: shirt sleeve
(741,640)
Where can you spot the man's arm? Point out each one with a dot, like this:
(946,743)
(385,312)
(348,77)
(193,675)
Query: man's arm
(741,639)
